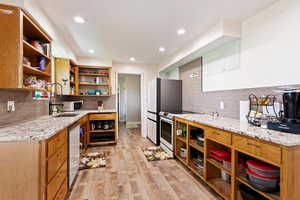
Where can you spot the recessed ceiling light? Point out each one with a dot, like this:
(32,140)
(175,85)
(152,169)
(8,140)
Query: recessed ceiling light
(79,20)
(180,31)
(91,51)
(162,49)
(132,59)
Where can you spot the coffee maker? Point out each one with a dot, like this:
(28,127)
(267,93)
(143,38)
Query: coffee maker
(289,119)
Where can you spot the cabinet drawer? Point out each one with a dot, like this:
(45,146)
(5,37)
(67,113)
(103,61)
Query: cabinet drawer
(55,184)
(109,116)
(264,151)
(62,191)
(56,161)
(220,136)
(56,142)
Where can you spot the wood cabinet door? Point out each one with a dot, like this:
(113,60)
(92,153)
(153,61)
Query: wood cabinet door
(62,75)
(11,59)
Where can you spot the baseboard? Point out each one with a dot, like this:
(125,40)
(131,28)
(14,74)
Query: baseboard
(132,124)
(137,123)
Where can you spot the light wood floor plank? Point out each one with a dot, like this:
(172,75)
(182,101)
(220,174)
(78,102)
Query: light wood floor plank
(129,176)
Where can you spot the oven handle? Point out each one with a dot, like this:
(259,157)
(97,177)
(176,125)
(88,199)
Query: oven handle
(167,120)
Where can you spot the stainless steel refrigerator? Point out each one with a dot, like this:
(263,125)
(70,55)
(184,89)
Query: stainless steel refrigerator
(163,95)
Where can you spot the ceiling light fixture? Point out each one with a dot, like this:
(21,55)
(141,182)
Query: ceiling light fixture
(79,20)
(180,31)
(132,59)
(162,49)
(91,51)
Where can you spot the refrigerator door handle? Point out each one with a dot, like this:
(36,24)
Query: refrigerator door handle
(151,119)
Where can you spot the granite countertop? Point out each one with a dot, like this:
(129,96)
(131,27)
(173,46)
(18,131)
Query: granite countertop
(233,125)
(42,128)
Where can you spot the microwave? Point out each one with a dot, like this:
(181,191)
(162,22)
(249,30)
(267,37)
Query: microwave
(70,106)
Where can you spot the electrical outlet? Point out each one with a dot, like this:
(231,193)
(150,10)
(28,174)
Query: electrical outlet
(222,105)
(11,106)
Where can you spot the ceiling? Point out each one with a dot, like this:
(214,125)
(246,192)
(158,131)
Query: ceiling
(120,29)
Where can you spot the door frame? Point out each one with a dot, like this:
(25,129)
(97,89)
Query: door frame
(142,97)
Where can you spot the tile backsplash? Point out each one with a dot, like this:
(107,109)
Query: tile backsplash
(25,107)
(90,103)
(197,101)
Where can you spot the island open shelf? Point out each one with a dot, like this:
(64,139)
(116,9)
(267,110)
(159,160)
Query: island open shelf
(227,177)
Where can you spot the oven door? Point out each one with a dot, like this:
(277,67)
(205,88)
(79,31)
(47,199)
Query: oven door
(166,132)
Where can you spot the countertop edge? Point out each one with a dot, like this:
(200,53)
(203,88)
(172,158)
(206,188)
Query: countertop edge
(252,134)
(46,136)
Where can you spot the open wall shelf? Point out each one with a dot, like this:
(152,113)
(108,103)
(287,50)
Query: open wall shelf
(27,46)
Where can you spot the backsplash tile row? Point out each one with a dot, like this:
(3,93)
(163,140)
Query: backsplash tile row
(197,101)
(90,103)
(26,107)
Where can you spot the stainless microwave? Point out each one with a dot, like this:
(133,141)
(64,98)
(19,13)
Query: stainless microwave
(70,106)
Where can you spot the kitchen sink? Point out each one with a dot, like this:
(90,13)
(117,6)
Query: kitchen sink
(67,115)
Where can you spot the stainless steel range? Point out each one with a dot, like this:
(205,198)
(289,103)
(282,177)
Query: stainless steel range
(166,131)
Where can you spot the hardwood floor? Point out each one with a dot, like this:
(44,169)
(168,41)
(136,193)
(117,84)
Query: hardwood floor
(128,175)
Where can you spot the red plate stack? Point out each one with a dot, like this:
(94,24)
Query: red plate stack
(219,154)
(263,176)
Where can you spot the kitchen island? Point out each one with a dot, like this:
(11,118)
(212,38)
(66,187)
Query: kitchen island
(281,150)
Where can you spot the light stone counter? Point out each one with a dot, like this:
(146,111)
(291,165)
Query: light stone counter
(42,128)
(233,125)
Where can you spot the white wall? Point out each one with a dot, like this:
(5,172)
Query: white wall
(122,99)
(222,31)
(270,49)
(19,3)
(94,62)
(148,72)
(170,74)
(133,95)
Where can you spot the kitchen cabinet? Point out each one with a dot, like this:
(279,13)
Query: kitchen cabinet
(240,147)
(62,75)
(35,170)
(25,51)
(102,129)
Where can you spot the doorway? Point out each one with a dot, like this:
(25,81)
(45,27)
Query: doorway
(129,100)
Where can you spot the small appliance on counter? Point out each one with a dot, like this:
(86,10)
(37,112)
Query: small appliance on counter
(71,106)
(289,119)
(262,109)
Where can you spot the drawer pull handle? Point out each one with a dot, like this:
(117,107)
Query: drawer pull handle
(254,145)
(216,133)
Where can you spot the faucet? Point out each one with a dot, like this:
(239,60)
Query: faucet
(51,104)
(215,114)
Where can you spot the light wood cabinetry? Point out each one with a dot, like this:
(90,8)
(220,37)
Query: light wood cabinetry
(98,134)
(220,136)
(34,170)
(56,170)
(62,75)
(93,81)
(79,80)
(21,29)
(285,158)
(259,149)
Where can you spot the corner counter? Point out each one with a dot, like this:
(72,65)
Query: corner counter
(279,149)
(34,156)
